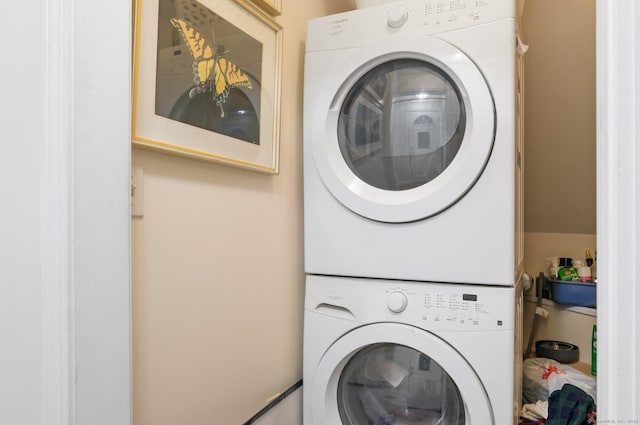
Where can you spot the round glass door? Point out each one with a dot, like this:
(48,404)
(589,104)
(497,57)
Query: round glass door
(386,384)
(391,373)
(400,136)
(401,124)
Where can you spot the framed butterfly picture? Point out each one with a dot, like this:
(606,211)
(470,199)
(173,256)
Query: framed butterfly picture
(207,80)
(274,7)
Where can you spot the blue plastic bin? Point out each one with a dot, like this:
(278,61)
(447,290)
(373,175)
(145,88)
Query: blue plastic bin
(581,294)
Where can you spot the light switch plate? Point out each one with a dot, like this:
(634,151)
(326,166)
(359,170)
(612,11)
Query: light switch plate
(137,191)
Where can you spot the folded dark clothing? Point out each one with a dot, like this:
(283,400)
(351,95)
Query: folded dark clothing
(570,406)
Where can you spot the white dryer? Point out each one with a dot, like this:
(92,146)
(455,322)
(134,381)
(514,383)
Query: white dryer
(412,166)
(405,353)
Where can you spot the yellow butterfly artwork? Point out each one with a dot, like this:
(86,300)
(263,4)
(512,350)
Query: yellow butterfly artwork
(211,72)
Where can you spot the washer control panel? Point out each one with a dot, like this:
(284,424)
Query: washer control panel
(433,306)
(461,307)
(447,306)
(444,306)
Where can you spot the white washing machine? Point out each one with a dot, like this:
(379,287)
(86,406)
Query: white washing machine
(407,353)
(412,166)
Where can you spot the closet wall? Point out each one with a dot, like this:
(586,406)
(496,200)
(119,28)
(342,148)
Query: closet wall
(560,151)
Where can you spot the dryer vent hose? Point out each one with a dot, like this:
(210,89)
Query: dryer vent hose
(541,280)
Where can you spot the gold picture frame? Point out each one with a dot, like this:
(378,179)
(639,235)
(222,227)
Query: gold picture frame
(274,7)
(207,81)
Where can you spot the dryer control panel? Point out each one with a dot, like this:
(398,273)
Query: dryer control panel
(361,26)
(440,12)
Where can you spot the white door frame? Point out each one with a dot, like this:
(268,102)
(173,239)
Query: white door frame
(618,212)
(85,161)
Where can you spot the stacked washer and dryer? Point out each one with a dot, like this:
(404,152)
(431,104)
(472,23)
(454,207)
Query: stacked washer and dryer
(413,215)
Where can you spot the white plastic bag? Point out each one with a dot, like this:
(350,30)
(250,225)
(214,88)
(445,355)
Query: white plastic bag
(542,376)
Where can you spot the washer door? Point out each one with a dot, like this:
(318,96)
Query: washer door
(389,373)
(408,133)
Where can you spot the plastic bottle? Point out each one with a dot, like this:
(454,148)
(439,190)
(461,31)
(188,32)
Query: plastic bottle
(591,263)
(568,274)
(585,273)
(567,271)
(565,261)
(587,258)
(554,264)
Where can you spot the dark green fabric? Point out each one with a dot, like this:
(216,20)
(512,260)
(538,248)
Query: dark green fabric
(570,406)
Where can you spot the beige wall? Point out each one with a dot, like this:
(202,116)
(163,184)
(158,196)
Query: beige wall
(218,271)
(560,119)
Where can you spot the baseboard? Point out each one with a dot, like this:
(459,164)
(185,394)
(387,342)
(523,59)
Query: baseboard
(274,403)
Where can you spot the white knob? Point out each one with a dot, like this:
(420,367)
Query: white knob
(397,17)
(397,302)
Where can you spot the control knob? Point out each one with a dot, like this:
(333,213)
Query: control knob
(397,16)
(397,302)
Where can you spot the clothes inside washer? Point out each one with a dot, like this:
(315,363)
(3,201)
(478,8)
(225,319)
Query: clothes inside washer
(384,366)
(386,384)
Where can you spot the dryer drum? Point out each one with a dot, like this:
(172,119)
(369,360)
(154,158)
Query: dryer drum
(562,352)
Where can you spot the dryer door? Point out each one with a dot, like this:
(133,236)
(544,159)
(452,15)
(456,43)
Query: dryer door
(389,373)
(407,133)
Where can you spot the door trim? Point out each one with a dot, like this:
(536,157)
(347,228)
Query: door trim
(85,217)
(618,209)
(56,197)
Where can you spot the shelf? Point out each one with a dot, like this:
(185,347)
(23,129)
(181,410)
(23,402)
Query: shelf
(587,311)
